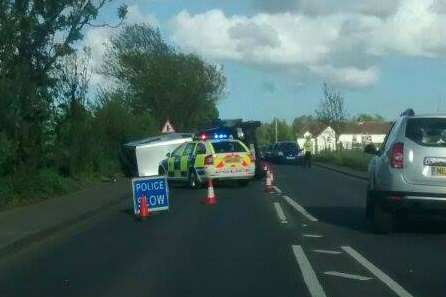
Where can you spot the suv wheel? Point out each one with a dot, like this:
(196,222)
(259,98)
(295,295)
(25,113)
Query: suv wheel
(193,180)
(382,221)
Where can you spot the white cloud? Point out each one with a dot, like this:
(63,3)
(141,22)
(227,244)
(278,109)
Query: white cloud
(342,46)
(379,8)
(97,40)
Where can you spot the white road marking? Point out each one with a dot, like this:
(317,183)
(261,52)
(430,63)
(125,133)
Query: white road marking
(279,191)
(299,208)
(280,213)
(393,285)
(308,273)
(327,252)
(348,275)
(304,225)
(313,235)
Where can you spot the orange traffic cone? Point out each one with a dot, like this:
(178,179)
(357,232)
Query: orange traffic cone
(210,199)
(144,211)
(268,182)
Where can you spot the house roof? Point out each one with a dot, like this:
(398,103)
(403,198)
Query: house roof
(315,129)
(371,127)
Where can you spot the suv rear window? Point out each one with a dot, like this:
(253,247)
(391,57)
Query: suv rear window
(289,146)
(228,147)
(427,131)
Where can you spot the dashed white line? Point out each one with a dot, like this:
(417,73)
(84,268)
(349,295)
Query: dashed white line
(313,235)
(327,252)
(299,208)
(279,191)
(393,285)
(280,213)
(348,275)
(308,273)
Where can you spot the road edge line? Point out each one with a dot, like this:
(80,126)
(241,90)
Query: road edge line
(387,280)
(308,274)
(342,172)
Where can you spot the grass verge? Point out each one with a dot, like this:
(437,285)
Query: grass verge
(352,159)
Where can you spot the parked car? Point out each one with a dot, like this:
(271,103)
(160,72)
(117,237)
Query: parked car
(268,154)
(408,172)
(287,152)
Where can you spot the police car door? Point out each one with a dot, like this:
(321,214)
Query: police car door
(186,159)
(200,154)
(175,159)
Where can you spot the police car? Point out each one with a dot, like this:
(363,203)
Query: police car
(216,158)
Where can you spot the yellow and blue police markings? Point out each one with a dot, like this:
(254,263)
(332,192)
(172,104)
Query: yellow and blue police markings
(154,189)
(189,160)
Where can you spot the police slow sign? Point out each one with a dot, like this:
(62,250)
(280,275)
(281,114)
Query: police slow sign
(154,189)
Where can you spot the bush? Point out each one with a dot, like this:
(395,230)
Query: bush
(25,187)
(352,159)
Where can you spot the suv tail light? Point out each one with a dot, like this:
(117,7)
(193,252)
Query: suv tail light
(209,160)
(397,156)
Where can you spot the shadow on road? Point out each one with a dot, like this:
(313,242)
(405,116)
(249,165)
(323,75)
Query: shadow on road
(353,218)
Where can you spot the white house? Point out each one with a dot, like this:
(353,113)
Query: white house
(322,138)
(353,136)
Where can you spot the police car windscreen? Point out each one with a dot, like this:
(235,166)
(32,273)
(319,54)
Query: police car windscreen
(427,131)
(222,147)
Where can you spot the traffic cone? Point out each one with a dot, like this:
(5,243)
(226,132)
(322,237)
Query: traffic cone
(144,211)
(210,199)
(268,182)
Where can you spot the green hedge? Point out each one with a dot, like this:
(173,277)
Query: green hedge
(25,188)
(352,159)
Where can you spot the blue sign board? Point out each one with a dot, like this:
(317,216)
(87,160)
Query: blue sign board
(155,190)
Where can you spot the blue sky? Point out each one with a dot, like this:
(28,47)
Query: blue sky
(383,55)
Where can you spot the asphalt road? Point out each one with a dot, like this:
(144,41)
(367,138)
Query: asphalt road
(308,238)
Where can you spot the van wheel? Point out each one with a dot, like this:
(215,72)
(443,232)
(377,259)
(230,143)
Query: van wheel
(193,180)
(382,221)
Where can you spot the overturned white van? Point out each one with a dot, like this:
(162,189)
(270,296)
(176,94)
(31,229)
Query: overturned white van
(142,157)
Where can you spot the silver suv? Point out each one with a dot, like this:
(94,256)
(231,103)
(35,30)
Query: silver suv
(408,172)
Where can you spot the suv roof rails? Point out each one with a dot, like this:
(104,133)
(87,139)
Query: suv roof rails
(408,112)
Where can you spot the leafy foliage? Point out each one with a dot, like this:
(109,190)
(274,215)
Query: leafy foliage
(153,77)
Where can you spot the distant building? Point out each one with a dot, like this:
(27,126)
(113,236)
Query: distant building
(353,136)
(357,135)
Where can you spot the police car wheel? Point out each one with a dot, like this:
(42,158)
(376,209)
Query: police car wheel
(193,180)
(243,183)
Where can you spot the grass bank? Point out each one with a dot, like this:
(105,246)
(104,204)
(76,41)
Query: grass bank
(26,188)
(351,159)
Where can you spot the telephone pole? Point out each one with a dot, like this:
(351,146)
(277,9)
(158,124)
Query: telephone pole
(276,129)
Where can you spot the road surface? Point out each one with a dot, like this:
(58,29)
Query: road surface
(308,238)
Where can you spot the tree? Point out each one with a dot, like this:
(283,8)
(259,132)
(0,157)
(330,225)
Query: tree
(75,146)
(366,117)
(34,36)
(266,133)
(154,78)
(331,109)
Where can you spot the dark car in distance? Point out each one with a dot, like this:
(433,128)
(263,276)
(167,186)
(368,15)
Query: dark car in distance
(287,152)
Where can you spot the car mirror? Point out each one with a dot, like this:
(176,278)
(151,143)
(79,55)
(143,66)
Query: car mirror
(371,149)
(168,155)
